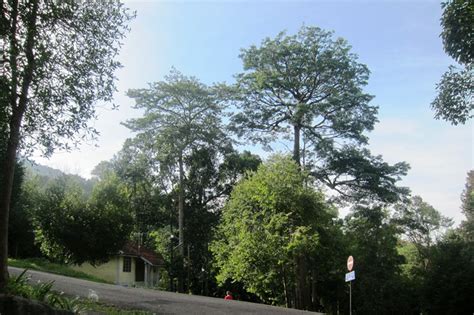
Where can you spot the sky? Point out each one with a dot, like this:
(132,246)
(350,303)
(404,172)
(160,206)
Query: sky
(398,41)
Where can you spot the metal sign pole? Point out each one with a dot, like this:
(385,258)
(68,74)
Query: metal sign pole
(349,278)
(350,297)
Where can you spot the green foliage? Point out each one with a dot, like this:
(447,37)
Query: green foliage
(204,193)
(72,229)
(308,88)
(447,288)
(467,197)
(75,45)
(36,181)
(208,184)
(100,308)
(411,264)
(373,239)
(271,221)
(103,170)
(454,102)
(180,114)
(439,264)
(20,233)
(238,163)
(276,236)
(58,60)
(212,175)
(455,99)
(180,138)
(145,190)
(18,285)
(458,29)
(42,292)
(422,224)
(369,177)
(308,80)
(59,301)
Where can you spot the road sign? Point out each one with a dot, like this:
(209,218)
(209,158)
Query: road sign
(350,276)
(350,263)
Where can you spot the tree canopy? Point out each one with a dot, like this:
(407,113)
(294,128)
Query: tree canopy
(373,243)
(182,116)
(455,99)
(467,207)
(269,230)
(308,88)
(422,224)
(309,84)
(58,61)
(73,228)
(458,28)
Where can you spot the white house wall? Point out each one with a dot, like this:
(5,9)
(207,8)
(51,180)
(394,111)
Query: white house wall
(112,271)
(106,271)
(126,278)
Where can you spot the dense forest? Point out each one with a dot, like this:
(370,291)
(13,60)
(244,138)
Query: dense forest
(266,228)
(249,227)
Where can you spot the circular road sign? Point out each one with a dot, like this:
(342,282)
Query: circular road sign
(350,263)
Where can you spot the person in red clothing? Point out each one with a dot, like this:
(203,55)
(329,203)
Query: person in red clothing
(228,296)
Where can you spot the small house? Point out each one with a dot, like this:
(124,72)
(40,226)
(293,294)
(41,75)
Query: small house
(134,265)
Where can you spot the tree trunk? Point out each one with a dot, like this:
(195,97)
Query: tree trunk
(298,283)
(181,222)
(285,288)
(18,110)
(181,206)
(5,197)
(303,298)
(296,144)
(314,293)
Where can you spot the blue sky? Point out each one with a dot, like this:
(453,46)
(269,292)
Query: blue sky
(398,40)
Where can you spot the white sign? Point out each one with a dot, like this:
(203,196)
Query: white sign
(350,276)
(350,263)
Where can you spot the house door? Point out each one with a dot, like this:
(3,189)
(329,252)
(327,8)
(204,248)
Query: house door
(139,270)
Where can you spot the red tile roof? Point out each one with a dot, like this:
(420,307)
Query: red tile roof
(133,249)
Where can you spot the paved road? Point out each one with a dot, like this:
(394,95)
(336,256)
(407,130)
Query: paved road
(159,302)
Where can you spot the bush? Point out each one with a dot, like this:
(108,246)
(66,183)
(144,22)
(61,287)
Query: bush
(42,292)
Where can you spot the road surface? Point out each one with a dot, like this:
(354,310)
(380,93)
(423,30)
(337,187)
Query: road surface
(159,302)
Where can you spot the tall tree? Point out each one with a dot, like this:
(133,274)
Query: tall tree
(447,286)
(181,116)
(467,206)
(308,88)
(373,238)
(135,168)
(58,60)
(20,232)
(73,228)
(422,224)
(271,229)
(209,183)
(455,99)
(356,174)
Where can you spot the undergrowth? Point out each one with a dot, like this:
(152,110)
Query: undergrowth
(43,292)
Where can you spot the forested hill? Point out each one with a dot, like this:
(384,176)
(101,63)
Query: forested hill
(46,174)
(33,169)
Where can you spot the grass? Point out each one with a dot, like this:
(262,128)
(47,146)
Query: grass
(111,310)
(41,264)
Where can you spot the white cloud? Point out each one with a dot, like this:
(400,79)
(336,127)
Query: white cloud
(440,156)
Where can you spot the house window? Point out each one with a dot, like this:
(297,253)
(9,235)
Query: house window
(127,264)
